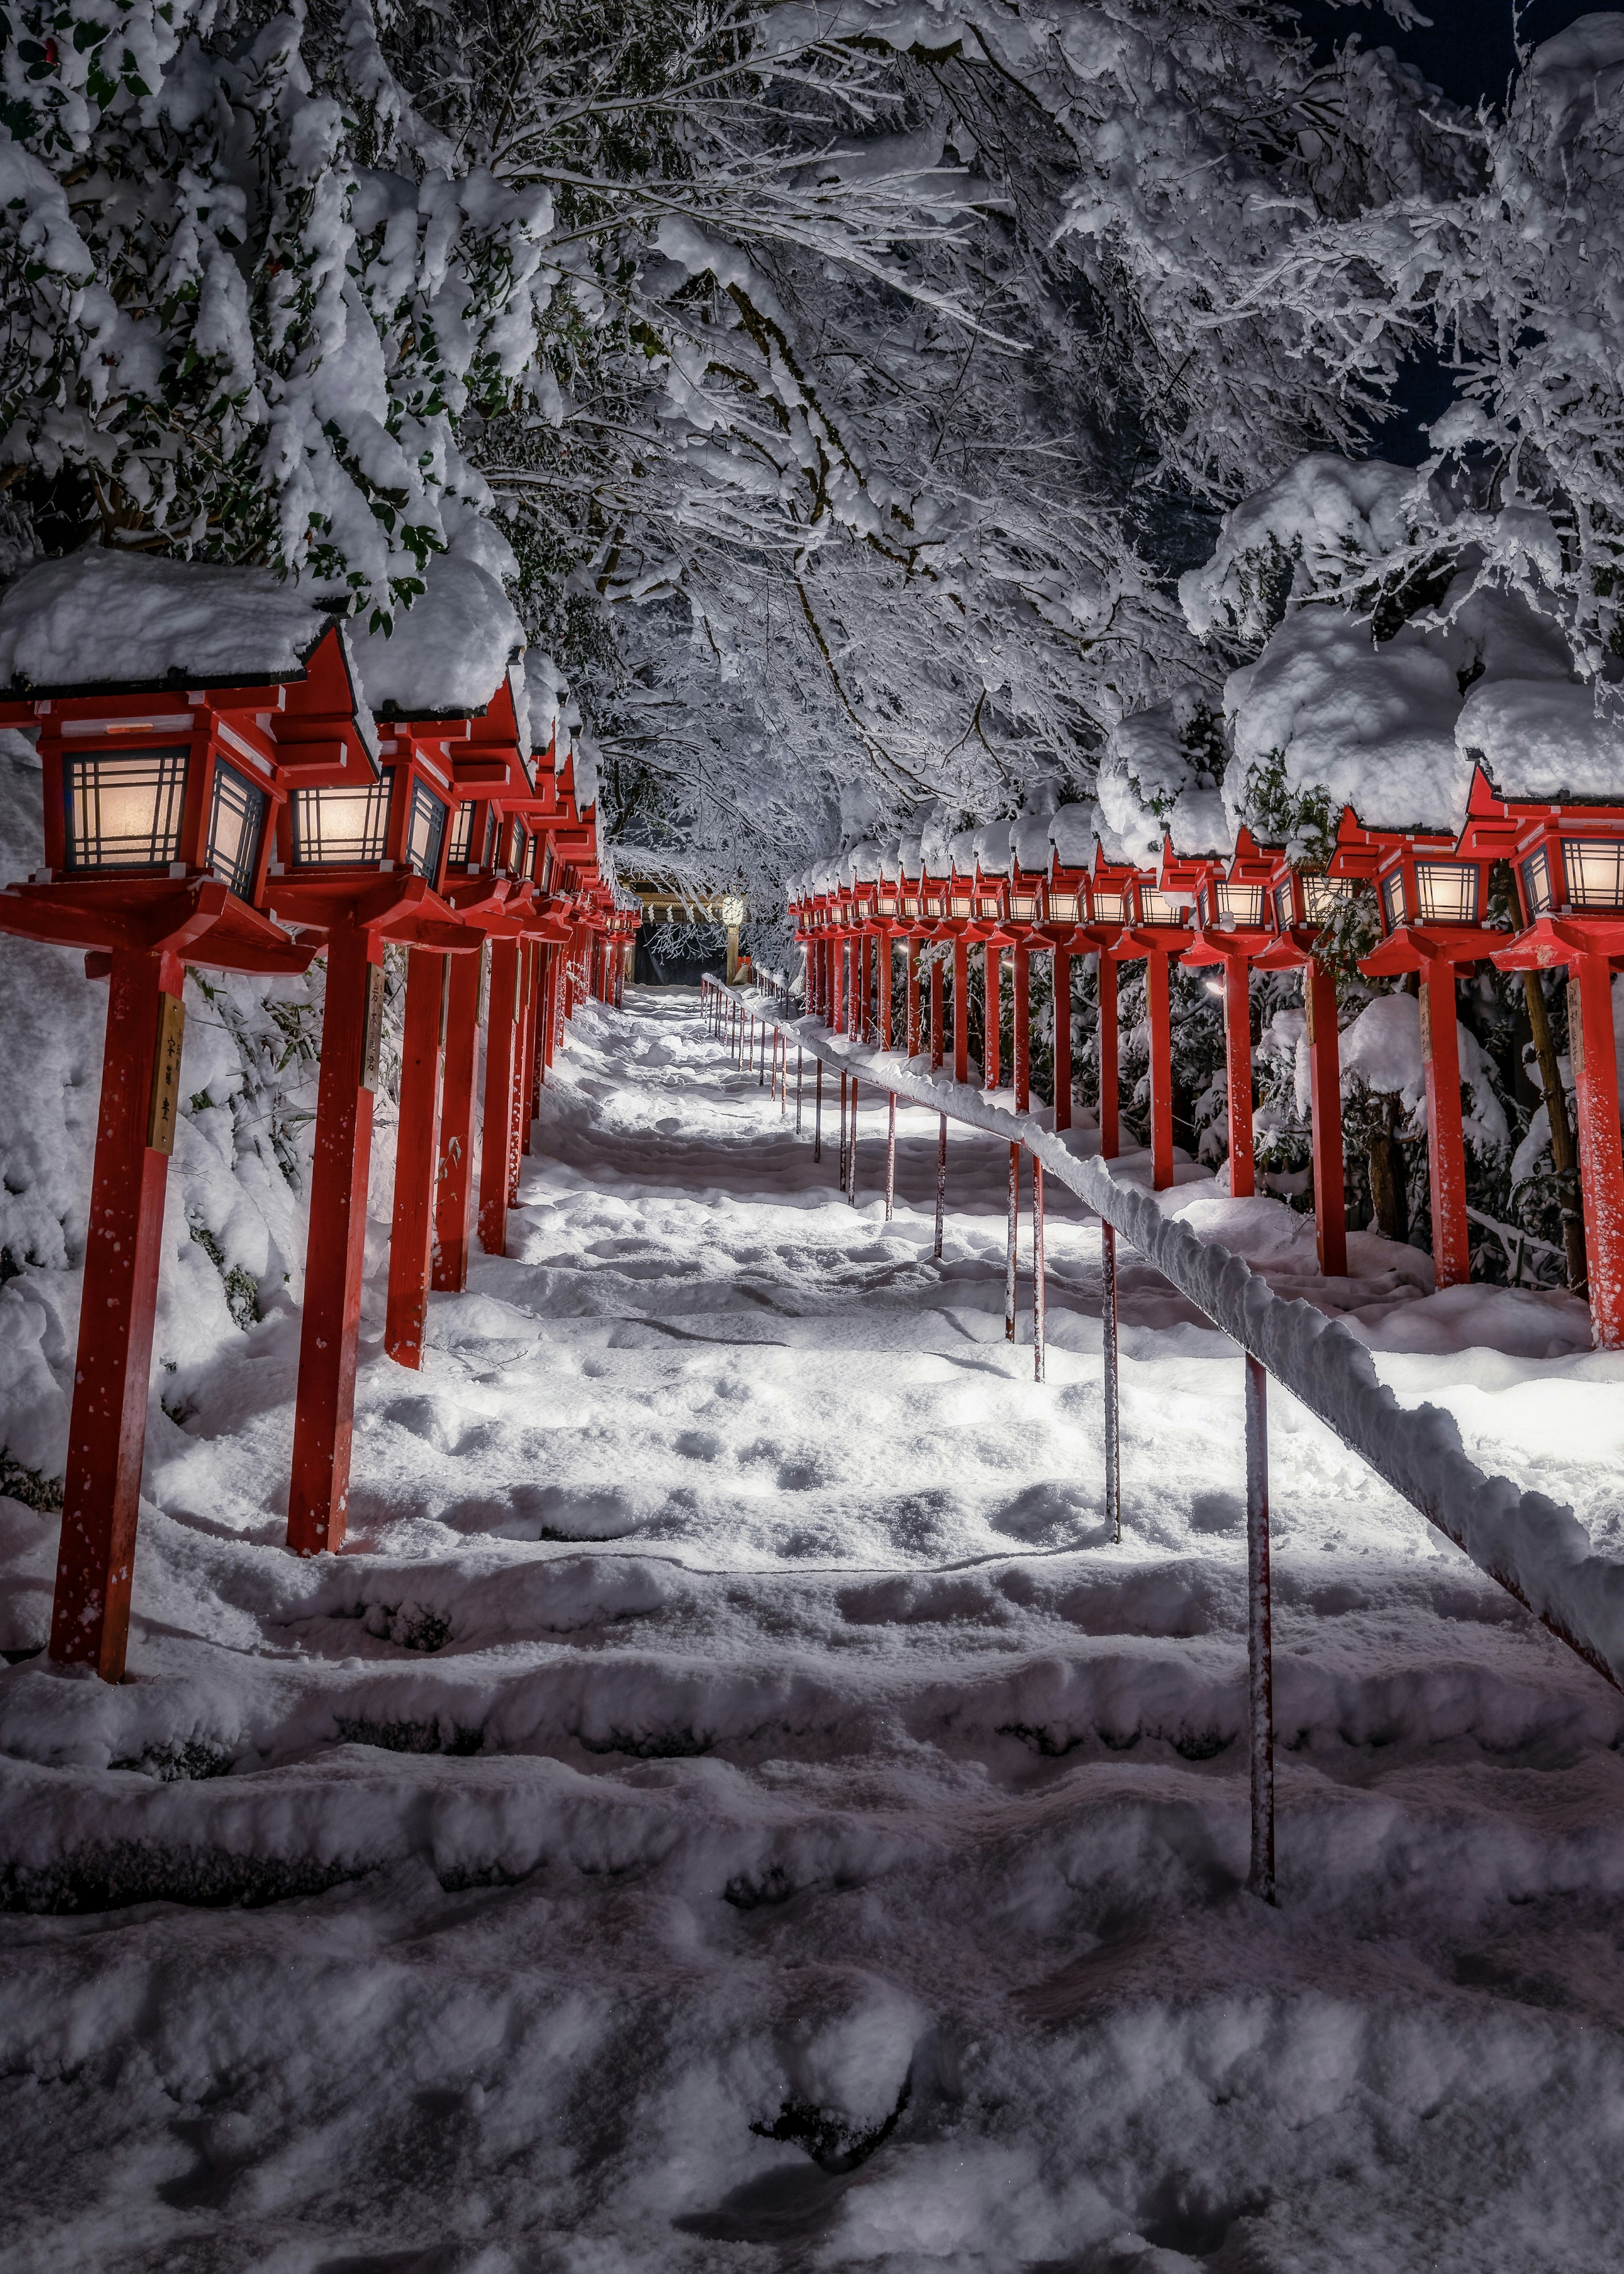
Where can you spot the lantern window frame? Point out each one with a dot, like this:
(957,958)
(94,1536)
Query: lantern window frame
(426,862)
(1579,896)
(1430,891)
(370,842)
(240,870)
(1156,907)
(85,852)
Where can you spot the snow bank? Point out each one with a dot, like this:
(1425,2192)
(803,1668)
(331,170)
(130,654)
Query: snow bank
(1532,1547)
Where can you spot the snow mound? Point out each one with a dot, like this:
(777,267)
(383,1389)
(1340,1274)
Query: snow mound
(447,652)
(99,618)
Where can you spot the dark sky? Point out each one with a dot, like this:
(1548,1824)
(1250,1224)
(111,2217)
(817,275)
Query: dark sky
(1469,51)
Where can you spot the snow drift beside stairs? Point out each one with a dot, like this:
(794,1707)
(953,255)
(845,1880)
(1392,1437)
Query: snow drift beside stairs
(100,617)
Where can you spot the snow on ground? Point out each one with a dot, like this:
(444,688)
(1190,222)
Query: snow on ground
(732,1807)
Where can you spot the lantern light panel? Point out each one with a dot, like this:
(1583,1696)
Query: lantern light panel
(425,831)
(335,827)
(236,827)
(125,809)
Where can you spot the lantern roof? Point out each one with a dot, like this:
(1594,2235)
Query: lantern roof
(1072,831)
(1547,742)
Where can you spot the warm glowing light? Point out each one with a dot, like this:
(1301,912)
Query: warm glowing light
(124,813)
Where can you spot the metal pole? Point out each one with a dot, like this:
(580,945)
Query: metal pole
(783,1080)
(941,1177)
(1108,1325)
(843,1083)
(1040,1300)
(1009,1258)
(799,1059)
(817,1115)
(761,1078)
(851,1158)
(891,1154)
(1260,1667)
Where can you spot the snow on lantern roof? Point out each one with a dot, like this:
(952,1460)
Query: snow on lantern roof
(992,848)
(448,651)
(1029,837)
(865,861)
(1157,782)
(1341,717)
(1542,739)
(911,855)
(1073,830)
(100,620)
(961,852)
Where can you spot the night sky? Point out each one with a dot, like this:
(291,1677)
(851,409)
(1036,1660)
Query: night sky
(1469,51)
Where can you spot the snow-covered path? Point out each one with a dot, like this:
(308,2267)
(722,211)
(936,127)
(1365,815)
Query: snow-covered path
(731,1807)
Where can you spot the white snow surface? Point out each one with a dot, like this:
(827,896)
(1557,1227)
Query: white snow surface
(101,616)
(447,652)
(731,1719)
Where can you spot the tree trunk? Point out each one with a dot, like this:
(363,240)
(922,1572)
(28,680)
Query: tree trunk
(1388,1184)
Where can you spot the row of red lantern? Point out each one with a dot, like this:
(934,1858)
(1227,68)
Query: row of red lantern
(249,827)
(1258,908)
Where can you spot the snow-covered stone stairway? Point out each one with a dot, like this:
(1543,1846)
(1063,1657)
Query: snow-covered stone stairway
(730,1807)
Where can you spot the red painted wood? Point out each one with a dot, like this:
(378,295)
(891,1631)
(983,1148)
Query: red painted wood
(1446,1142)
(1595,1064)
(992,1016)
(1021,1039)
(1111,1059)
(417,1157)
(325,1408)
(1237,1063)
(961,1010)
(1158,999)
(935,1012)
(107,1430)
(527,1045)
(910,1040)
(1062,1038)
(1325,1106)
(455,1177)
(501,1037)
(518,1121)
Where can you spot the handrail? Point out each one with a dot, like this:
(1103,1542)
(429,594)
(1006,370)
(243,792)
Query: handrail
(1529,1544)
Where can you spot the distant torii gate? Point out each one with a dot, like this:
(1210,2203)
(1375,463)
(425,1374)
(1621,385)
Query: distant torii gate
(666,902)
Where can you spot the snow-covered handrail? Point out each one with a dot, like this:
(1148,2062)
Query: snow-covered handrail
(1532,1546)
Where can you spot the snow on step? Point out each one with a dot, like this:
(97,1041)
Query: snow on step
(732,1806)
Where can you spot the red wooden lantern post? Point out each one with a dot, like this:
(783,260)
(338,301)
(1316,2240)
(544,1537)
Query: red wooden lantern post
(158,816)
(1110,909)
(1432,909)
(1161,932)
(991,909)
(1234,910)
(1567,858)
(1064,909)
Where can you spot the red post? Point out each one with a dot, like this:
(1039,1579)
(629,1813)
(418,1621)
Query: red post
(1022,1037)
(992,1016)
(106,1430)
(1110,1078)
(961,1009)
(1158,1003)
(416,1154)
(527,1043)
(325,1410)
(1062,1037)
(1237,1063)
(1326,1105)
(500,1032)
(1595,1065)
(1446,1142)
(936,1014)
(518,1124)
(911,1038)
(454,1183)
